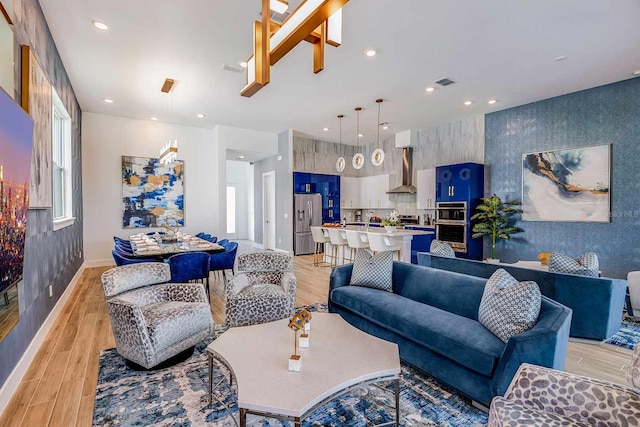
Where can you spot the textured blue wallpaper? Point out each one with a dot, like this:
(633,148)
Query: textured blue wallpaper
(604,115)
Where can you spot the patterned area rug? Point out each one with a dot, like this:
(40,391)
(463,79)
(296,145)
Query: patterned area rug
(629,334)
(177,396)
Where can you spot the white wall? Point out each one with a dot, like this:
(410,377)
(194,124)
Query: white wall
(106,138)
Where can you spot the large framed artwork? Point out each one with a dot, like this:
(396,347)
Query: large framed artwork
(36,101)
(152,192)
(567,185)
(16,139)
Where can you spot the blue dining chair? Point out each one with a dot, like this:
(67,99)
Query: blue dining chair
(212,239)
(122,259)
(226,260)
(190,267)
(124,243)
(223,242)
(204,236)
(120,247)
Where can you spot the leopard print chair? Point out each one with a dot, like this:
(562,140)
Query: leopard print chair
(153,320)
(546,397)
(264,289)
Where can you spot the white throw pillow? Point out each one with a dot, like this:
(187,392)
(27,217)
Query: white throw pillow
(509,307)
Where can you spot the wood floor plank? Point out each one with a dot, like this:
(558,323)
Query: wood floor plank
(18,404)
(62,381)
(38,415)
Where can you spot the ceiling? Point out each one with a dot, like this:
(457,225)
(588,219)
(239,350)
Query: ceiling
(493,49)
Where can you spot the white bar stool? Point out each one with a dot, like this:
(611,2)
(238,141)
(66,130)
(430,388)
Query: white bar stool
(378,242)
(320,239)
(357,240)
(338,240)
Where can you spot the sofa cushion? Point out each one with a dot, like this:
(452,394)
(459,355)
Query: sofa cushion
(455,337)
(373,271)
(168,323)
(509,307)
(584,265)
(441,249)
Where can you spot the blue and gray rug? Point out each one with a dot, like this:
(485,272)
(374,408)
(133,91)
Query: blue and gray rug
(629,334)
(177,396)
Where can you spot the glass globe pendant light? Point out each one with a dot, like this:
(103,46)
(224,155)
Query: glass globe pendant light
(377,157)
(340,163)
(358,158)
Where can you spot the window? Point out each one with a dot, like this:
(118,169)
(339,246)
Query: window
(231,210)
(61,164)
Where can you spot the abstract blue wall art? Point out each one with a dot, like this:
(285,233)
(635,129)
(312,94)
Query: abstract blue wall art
(152,192)
(567,185)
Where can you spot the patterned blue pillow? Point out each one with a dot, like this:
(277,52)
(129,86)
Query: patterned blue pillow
(509,307)
(441,249)
(373,271)
(584,265)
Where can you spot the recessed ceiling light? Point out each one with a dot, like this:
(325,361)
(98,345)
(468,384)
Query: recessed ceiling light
(360,135)
(325,129)
(100,25)
(201,116)
(385,127)
(108,101)
(560,58)
(430,89)
(241,157)
(492,101)
(468,102)
(155,119)
(244,64)
(370,52)
(636,73)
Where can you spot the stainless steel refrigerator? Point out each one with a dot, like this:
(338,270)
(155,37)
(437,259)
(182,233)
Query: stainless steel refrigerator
(307,209)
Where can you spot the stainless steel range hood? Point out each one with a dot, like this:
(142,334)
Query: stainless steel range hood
(407,173)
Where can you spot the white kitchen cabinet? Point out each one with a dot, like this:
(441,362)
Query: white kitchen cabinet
(374,191)
(349,192)
(365,192)
(426,186)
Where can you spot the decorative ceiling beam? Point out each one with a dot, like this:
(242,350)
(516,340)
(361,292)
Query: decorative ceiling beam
(315,21)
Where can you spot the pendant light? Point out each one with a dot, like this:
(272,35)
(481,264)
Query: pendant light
(377,157)
(358,158)
(340,163)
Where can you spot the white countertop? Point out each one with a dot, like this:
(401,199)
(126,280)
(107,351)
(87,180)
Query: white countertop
(381,230)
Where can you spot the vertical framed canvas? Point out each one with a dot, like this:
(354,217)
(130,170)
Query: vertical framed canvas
(152,192)
(567,185)
(36,101)
(16,139)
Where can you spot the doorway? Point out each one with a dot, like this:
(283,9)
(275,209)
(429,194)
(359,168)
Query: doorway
(269,209)
(232,212)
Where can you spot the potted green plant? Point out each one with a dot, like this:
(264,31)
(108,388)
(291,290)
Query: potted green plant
(494,219)
(391,222)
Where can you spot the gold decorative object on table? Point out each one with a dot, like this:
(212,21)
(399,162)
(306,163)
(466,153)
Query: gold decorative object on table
(544,257)
(295,361)
(304,314)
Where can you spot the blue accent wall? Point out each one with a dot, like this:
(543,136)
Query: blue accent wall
(604,115)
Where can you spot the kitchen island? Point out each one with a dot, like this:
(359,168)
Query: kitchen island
(407,238)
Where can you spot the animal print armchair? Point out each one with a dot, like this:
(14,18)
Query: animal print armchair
(153,320)
(264,290)
(544,396)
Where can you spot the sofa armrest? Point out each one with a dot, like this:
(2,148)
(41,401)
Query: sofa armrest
(573,396)
(130,331)
(340,276)
(545,345)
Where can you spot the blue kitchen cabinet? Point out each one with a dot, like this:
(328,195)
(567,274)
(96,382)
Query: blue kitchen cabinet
(463,182)
(328,186)
(420,243)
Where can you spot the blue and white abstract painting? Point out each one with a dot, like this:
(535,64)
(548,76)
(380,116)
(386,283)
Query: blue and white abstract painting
(152,192)
(567,185)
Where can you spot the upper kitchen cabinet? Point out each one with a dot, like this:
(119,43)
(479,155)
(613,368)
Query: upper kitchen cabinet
(349,192)
(426,189)
(459,183)
(373,191)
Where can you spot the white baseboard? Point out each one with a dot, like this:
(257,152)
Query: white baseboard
(13,380)
(99,263)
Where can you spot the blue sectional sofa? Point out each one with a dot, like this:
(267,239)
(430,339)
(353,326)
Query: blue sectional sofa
(433,317)
(596,302)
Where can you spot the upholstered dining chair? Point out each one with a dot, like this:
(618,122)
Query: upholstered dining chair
(125,259)
(226,260)
(153,320)
(551,397)
(190,267)
(264,290)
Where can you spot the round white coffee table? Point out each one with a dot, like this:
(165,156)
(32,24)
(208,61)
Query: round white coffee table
(339,358)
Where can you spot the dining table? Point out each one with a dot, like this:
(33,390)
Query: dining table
(161,247)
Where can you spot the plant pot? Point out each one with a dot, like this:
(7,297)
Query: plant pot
(492,260)
(390,228)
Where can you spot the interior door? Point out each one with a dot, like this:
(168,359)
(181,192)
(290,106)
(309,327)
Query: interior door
(269,209)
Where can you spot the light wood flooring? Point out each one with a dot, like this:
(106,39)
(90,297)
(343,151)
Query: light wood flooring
(59,386)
